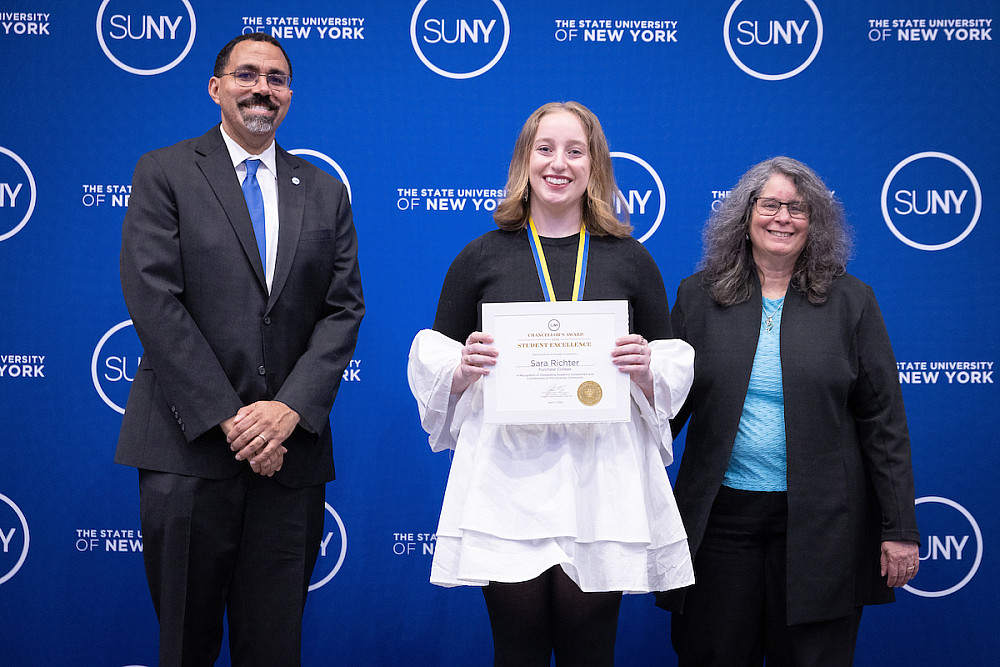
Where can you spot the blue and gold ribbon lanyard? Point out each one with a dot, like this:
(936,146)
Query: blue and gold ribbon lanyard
(579,279)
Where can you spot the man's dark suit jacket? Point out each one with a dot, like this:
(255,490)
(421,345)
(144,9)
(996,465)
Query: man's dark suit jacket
(213,339)
(850,482)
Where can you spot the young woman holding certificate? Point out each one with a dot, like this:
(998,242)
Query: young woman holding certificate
(555,521)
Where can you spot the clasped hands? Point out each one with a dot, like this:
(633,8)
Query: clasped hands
(631,355)
(256,433)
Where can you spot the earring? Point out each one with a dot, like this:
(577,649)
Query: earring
(527,191)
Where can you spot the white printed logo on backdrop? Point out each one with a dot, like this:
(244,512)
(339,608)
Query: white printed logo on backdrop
(645,197)
(14,538)
(17,193)
(460,40)
(146,37)
(285,28)
(115,363)
(25,23)
(22,366)
(773,39)
(332,550)
(931,201)
(923,30)
(605,31)
(943,371)
(414,544)
(951,549)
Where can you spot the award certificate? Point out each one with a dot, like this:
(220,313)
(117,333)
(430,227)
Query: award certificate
(555,363)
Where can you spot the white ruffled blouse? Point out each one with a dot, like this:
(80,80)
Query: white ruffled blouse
(592,498)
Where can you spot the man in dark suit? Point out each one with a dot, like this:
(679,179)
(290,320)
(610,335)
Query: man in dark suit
(239,269)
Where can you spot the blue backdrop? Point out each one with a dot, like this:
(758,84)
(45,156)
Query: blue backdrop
(416,105)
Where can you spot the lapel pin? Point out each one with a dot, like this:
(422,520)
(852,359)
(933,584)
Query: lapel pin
(295,180)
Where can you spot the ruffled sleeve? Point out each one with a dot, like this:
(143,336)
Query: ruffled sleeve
(672,364)
(429,370)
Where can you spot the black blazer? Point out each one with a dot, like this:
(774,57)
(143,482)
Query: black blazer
(213,339)
(850,482)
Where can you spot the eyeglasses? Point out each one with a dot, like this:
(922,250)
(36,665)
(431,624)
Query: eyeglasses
(247,78)
(769,206)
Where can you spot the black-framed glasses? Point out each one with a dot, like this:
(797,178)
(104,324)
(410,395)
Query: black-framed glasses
(769,206)
(247,78)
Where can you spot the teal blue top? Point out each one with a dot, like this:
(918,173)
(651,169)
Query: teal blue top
(758,461)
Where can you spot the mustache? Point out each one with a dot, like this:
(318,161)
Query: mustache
(256,99)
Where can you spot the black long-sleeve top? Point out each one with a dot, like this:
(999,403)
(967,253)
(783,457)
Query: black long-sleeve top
(498,267)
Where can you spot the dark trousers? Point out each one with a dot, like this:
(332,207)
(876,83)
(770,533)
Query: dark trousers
(243,546)
(549,614)
(735,614)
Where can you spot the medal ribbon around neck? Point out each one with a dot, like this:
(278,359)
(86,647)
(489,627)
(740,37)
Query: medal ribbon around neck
(580,277)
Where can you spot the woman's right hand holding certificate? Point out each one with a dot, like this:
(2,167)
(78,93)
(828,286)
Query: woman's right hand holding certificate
(478,356)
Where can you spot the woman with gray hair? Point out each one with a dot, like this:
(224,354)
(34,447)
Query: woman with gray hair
(795,486)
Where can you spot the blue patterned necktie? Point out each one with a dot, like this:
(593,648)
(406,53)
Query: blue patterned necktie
(255,204)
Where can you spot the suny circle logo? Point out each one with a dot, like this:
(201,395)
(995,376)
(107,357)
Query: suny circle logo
(459,40)
(645,211)
(308,152)
(773,39)
(952,548)
(17,193)
(114,364)
(14,538)
(146,37)
(332,549)
(927,197)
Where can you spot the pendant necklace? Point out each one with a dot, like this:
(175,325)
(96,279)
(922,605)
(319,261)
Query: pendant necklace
(768,318)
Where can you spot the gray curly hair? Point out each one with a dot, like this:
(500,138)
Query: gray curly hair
(728,258)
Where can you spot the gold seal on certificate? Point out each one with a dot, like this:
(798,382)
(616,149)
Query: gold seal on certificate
(554,364)
(589,393)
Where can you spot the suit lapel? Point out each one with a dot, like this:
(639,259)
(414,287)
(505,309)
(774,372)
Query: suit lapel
(746,331)
(744,335)
(291,209)
(217,166)
(797,348)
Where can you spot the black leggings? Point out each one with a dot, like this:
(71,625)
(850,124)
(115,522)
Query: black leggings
(531,619)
